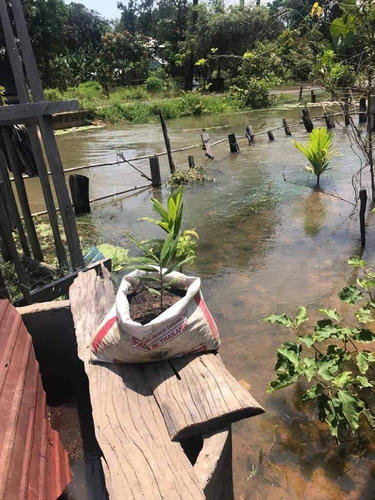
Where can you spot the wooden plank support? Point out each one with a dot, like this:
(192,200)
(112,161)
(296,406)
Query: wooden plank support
(155,172)
(191,161)
(31,111)
(61,286)
(22,196)
(7,231)
(139,459)
(204,396)
(66,209)
(172,167)
(79,191)
(206,146)
(11,208)
(249,133)
(286,127)
(213,466)
(233,145)
(23,97)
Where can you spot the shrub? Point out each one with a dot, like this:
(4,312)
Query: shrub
(252,92)
(158,80)
(342,372)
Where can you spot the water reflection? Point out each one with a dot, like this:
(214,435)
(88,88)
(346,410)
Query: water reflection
(314,212)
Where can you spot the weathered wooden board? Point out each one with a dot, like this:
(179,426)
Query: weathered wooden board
(139,459)
(22,113)
(203,397)
(214,465)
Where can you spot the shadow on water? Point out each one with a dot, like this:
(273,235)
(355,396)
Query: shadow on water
(265,246)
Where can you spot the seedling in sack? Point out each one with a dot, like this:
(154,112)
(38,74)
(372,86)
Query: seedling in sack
(163,256)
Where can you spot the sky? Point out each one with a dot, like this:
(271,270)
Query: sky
(107,8)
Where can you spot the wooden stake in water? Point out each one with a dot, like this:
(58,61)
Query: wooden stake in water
(300,93)
(307,120)
(155,171)
(271,137)
(250,136)
(362,110)
(172,168)
(286,127)
(313,96)
(191,161)
(362,212)
(233,146)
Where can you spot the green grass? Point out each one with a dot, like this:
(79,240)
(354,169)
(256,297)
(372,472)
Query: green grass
(137,105)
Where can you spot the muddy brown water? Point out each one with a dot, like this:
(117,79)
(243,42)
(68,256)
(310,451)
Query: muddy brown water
(266,245)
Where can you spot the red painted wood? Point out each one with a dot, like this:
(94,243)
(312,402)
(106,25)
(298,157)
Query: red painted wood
(33,462)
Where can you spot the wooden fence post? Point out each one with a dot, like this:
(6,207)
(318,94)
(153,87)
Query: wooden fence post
(329,120)
(155,171)
(271,137)
(191,161)
(250,136)
(300,93)
(362,211)
(79,191)
(313,96)
(307,120)
(206,146)
(233,146)
(346,109)
(286,127)
(172,168)
(362,110)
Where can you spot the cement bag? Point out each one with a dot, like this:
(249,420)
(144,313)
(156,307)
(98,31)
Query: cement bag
(185,327)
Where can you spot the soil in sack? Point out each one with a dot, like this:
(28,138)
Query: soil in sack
(144,306)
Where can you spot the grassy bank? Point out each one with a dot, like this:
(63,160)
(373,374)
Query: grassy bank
(137,105)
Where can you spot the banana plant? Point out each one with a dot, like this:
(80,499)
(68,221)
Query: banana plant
(318,151)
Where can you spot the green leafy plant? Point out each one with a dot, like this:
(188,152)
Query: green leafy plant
(171,218)
(163,256)
(318,151)
(331,359)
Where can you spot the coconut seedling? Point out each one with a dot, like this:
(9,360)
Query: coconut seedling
(318,151)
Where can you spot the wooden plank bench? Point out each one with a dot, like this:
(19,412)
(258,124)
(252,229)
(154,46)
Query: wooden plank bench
(139,409)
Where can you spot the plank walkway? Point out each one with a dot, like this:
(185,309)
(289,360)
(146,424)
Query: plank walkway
(135,416)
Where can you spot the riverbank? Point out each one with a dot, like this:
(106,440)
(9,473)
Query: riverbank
(136,105)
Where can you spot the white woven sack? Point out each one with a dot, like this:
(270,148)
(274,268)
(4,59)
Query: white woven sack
(185,327)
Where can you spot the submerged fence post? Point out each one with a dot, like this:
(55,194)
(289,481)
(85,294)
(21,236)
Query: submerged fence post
(172,168)
(346,109)
(233,146)
(286,127)
(300,93)
(250,136)
(362,211)
(307,120)
(79,190)
(362,110)
(155,171)
(206,146)
(329,120)
(191,161)
(271,137)
(313,96)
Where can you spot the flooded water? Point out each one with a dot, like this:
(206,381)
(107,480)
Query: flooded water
(266,245)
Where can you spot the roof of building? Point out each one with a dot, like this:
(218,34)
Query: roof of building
(33,462)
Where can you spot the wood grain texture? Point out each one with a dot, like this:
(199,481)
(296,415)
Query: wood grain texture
(204,396)
(139,459)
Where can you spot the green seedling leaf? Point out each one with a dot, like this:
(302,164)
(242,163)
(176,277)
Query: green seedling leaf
(331,313)
(282,380)
(366,284)
(357,262)
(364,315)
(350,295)
(363,360)
(279,319)
(309,368)
(343,379)
(301,316)
(351,408)
(313,393)
(153,291)
(362,381)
